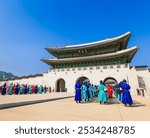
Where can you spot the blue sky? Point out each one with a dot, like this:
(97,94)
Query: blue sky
(28,26)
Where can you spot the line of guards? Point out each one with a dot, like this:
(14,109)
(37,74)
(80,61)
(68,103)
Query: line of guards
(86,91)
(22,89)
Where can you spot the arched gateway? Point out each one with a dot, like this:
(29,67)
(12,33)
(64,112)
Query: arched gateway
(60,85)
(110,80)
(82,79)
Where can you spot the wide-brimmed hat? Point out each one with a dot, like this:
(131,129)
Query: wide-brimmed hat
(124,80)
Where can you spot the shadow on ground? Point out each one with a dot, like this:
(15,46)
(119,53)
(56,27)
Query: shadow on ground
(110,101)
(137,104)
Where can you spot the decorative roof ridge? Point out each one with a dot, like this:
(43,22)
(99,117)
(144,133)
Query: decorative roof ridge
(91,43)
(88,57)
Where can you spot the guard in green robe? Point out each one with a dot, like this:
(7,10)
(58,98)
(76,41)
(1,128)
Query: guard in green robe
(10,89)
(30,89)
(102,93)
(83,92)
(21,91)
(40,89)
(91,91)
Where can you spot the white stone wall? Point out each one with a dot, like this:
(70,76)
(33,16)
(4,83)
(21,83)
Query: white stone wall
(94,75)
(145,74)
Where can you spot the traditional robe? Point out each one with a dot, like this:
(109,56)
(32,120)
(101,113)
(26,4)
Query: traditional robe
(17,89)
(40,89)
(7,88)
(110,91)
(45,89)
(126,97)
(10,89)
(30,89)
(36,89)
(21,90)
(33,88)
(4,89)
(102,94)
(91,91)
(78,97)
(25,89)
(14,89)
(118,92)
(87,91)
(83,92)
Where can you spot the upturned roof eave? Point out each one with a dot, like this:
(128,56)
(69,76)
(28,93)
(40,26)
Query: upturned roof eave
(132,50)
(87,45)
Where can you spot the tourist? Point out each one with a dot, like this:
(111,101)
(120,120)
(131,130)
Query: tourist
(78,97)
(102,95)
(126,97)
(4,89)
(49,89)
(83,92)
(110,91)
(138,91)
(143,93)
(10,89)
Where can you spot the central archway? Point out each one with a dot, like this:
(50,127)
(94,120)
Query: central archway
(60,85)
(82,79)
(110,80)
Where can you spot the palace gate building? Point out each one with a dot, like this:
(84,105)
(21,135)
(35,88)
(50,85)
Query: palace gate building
(108,60)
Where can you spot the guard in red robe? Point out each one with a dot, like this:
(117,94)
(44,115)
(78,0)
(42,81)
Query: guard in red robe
(33,88)
(14,89)
(110,91)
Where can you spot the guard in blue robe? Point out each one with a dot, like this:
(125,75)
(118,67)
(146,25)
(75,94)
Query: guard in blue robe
(126,97)
(119,91)
(78,97)
(4,89)
(36,89)
(87,91)
(25,89)
(17,89)
(45,89)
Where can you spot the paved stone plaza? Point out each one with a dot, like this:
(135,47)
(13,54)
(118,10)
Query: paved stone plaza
(67,109)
